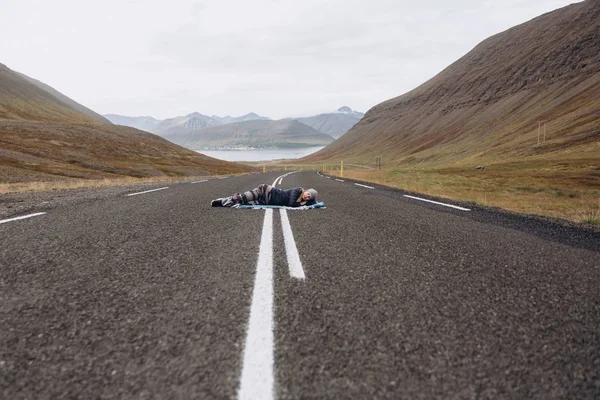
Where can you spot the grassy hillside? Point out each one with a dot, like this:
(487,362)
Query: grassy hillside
(73,104)
(45,136)
(34,151)
(20,99)
(486,109)
(486,106)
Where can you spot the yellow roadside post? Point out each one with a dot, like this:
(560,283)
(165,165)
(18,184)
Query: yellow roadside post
(264,168)
(342,170)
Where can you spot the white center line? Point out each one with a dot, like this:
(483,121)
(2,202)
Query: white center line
(437,202)
(365,186)
(147,191)
(257,380)
(21,217)
(295,266)
(293,258)
(340,180)
(206,180)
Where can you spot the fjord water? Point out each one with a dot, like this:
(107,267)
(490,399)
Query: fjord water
(260,154)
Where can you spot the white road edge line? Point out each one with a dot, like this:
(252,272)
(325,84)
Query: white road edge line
(280,180)
(340,180)
(257,380)
(206,180)
(21,217)
(147,191)
(437,202)
(365,186)
(294,263)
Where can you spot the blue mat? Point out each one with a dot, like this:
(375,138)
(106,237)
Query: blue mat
(261,206)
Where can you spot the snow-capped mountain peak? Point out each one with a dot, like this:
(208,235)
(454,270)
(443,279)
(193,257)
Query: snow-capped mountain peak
(348,111)
(345,110)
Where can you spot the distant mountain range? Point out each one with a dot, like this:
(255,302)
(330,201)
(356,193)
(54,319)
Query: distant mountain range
(195,121)
(188,130)
(147,124)
(254,133)
(334,124)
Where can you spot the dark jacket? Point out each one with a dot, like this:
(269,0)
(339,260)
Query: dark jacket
(287,197)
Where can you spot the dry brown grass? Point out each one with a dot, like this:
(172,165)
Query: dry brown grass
(554,189)
(35,152)
(6,188)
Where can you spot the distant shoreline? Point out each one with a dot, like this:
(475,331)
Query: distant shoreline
(260,154)
(249,148)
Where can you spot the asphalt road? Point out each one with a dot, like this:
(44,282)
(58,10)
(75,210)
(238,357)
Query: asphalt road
(153,296)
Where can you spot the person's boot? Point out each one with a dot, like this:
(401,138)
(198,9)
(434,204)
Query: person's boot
(217,203)
(227,202)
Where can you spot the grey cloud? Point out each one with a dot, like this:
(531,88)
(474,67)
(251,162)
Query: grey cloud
(238,56)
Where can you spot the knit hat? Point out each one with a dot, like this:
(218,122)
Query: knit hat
(313,194)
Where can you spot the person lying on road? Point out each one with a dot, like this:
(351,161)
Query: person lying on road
(268,195)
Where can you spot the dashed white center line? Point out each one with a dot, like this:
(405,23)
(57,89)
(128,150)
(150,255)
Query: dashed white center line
(147,191)
(295,266)
(257,380)
(437,202)
(365,186)
(206,180)
(21,217)
(340,180)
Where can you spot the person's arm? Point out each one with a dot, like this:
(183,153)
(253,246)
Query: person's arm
(295,194)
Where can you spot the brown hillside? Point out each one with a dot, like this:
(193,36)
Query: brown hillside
(66,100)
(34,151)
(22,99)
(45,136)
(485,107)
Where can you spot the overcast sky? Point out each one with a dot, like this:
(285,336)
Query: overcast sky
(276,58)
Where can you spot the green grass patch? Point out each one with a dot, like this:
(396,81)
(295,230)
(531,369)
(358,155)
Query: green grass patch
(593,218)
